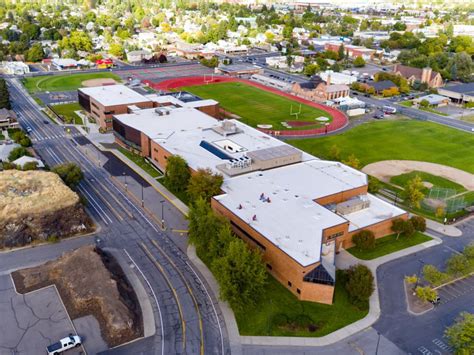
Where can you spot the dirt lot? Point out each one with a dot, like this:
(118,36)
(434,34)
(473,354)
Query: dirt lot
(90,282)
(384,170)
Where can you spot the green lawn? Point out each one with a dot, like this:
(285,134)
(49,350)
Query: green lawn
(257,106)
(280,313)
(437,181)
(398,139)
(388,245)
(64,82)
(2,137)
(141,162)
(67,112)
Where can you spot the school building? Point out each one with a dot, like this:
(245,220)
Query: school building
(296,209)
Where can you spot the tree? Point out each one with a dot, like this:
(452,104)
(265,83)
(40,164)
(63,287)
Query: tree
(18,153)
(419,223)
(341,52)
(77,41)
(359,285)
(374,184)
(311,69)
(398,226)
(241,275)
(35,53)
(364,240)
(457,265)
(461,334)
(352,161)
(359,62)
(409,229)
(177,173)
(413,191)
(464,66)
(433,276)
(116,49)
(424,103)
(204,184)
(70,173)
(4,95)
(426,293)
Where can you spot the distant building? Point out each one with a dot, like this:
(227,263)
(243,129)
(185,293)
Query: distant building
(6,149)
(8,119)
(104,63)
(352,51)
(459,94)
(238,69)
(380,86)
(16,68)
(433,100)
(338,78)
(64,63)
(271,82)
(138,56)
(426,75)
(318,90)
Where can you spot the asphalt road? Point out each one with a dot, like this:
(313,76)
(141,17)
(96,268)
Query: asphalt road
(422,333)
(187,315)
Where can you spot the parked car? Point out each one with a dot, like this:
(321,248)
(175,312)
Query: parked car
(436,301)
(72,341)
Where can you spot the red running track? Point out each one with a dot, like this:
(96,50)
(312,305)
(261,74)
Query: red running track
(339,119)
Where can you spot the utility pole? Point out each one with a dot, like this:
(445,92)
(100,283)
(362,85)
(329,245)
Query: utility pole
(125,179)
(162,215)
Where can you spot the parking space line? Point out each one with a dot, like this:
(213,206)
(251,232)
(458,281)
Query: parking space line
(424,351)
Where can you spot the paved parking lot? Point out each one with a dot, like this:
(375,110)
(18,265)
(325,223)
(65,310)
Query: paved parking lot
(31,322)
(456,289)
(437,346)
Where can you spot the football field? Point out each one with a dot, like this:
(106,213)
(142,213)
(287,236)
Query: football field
(259,107)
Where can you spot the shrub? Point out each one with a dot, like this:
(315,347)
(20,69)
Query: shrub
(411,279)
(469,252)
(426,293)
(374,184)
(359,285)
(364,240)
(409,229)
(70,173)
(419,223)
(18,153)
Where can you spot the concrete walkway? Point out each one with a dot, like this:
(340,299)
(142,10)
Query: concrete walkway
(447,230)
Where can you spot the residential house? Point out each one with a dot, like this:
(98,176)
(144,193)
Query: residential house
(8,119)
(380,86)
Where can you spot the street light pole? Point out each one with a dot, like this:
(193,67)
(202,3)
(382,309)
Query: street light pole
(162,215)
(419,272)
(143,201)
(378,342)
(125,179)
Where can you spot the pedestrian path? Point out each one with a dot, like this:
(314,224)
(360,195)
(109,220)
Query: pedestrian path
(56,136)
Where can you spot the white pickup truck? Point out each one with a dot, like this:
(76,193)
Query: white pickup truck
(72,341)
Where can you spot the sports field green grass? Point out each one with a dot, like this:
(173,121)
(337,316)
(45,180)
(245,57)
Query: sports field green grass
(280,313)
(67,112)
(398,139)
(64,82)
(389,244)
(437,181)
(257,106)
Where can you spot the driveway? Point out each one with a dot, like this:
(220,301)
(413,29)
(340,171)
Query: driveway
(31,322)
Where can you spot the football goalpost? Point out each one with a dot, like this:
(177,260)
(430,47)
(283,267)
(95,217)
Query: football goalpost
(208,79)
(296,113)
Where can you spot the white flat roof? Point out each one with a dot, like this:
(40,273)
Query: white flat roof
(378,211)
(292,220)
(111,95)
(182,131)
(161,99)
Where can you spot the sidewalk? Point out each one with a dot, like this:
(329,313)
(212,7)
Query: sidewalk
(447,230)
